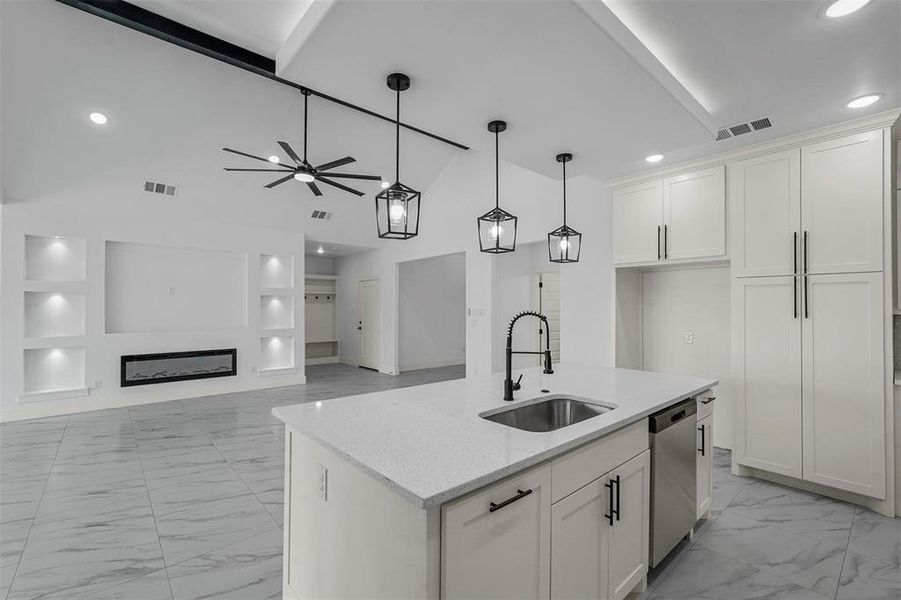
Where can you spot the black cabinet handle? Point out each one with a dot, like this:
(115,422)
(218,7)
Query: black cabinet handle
(806,294)
(795,252)
(708,400)
(520,494)
(658,242)
(805,252)
(703,447)
(612,500)
(665,245)
(795,297)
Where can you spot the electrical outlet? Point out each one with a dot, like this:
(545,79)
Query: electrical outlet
(688,337)
(97,383)
(323,483)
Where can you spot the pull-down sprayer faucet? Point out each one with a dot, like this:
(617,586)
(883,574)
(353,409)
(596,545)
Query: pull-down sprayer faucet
(509,385)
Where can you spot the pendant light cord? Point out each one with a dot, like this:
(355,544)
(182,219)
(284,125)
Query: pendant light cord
(397,141)
(497,185)
(564,193)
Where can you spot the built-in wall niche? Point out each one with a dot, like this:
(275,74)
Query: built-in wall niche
(54,314)
(54,258)
(276,352)
(276,312)
(49,370)
(276,271)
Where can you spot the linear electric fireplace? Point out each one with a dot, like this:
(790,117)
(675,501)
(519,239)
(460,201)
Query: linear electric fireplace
(144,369)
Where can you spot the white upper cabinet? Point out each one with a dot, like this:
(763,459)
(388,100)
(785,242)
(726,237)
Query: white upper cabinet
(694,214)
(765,211)
(843,384)
(766,338)
(496,543)
(637,222)
(842,204)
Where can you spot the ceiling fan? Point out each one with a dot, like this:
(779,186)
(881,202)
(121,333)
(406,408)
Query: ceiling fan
(302,170)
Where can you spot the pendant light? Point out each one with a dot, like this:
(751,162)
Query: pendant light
(564,243)
(397,206)
(497,227)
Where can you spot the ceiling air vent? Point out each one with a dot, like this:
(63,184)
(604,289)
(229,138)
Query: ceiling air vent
(321,214)
(159,188)
(742,128)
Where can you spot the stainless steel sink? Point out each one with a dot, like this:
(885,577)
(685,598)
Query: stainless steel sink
(547,414)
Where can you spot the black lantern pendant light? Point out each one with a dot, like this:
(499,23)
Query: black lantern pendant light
(397,206)
(564,243)
(497,227)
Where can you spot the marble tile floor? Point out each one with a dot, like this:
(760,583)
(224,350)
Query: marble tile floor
(169,501)
(183,500)
(767,541)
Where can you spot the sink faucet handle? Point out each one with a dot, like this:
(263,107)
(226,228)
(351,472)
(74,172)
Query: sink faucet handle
(516,384)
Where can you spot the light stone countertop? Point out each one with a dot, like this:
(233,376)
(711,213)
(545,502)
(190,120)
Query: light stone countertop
(429,444)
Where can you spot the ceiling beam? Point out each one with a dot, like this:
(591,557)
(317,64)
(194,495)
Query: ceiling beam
(152,24)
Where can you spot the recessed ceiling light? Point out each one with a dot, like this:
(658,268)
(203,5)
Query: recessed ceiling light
(274,159)
(320,250)
(840,8)
(98,118)
(654,158)
(385,185)
(304,177)
(864,101)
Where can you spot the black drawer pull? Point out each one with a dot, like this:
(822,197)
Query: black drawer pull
(708,400)
(520,494)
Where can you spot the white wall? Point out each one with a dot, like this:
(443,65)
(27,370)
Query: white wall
(320,265)
(75,216)
(691,301)
(463,191)
(432,297)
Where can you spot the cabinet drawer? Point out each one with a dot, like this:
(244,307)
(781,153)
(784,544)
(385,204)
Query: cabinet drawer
(705,403)
(585,464)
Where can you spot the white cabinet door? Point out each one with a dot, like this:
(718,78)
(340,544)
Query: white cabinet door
(694,214)
(705,466)
(629,536)
(765,213)
(580,535)
(844,394)
(841,204)
(637,218)
(500,553)
(767,368)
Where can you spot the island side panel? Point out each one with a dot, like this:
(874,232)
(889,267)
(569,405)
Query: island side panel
(362,540)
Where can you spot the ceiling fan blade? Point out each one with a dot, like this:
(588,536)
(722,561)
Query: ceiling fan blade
(290,152)
(314,188)
(336,163)
(256,157)
(280,181)
(262,170)
(339,186)
(355,176)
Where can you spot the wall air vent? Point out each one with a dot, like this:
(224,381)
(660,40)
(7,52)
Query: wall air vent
(742,128)
(321,214)
(159,188)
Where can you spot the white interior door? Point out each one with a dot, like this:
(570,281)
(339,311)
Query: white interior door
(637,215)
(369,324)
(694,214)
(841,203)
(765,196)
(767,366)
(844,406)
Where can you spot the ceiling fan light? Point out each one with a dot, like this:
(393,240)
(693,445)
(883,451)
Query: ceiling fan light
(304,177)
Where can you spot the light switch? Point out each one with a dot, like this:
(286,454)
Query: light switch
(323,483)
(688,337)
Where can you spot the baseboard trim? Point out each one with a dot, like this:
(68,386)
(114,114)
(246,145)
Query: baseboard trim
(432,365)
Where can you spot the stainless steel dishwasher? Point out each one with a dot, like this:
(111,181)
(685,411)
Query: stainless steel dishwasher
(673,476)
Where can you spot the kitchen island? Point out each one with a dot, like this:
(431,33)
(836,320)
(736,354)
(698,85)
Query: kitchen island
(413,493)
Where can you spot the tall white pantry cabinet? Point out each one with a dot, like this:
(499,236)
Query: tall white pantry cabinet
(809,311)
